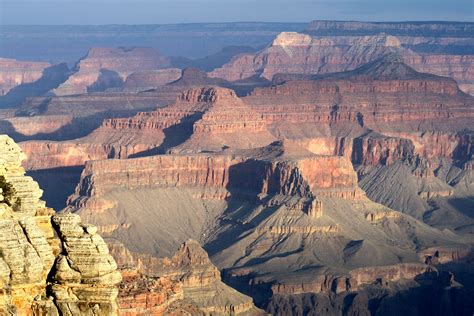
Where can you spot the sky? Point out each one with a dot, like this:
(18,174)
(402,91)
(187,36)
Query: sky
(59,12)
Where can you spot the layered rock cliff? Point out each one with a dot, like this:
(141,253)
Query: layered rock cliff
(297,53)
(104,68)
(379,114)
(51,264)
(245,173)
(288,109)
(185,283)
(240,204)
(14,73)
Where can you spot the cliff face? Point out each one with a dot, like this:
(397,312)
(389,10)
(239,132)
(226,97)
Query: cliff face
(386,96)
(377,114)
(197,113)
(458,67)
(14,73)
(51,264)
(225,175)
(109,67)
(300,53)
(253,199)
(185,283)
(295,53)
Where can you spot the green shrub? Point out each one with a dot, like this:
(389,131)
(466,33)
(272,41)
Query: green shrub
(17,205)
(8,191)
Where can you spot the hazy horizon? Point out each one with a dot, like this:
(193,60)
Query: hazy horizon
(129,12)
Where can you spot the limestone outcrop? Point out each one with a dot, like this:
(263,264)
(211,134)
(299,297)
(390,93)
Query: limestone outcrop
(50,264)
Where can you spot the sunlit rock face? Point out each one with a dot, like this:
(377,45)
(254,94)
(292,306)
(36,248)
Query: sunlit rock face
(50,264)
(187,282)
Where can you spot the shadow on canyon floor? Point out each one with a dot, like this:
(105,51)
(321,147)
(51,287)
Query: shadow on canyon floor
(430,293)
(174,135)
(79,127)
(51,78)
(464,205)
(57,184)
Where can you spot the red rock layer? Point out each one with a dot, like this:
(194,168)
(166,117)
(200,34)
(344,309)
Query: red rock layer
(181,284)
(219,177)
(320,175)
(399,101)
(458,67)
(46,155)
(208,118)
(299,53)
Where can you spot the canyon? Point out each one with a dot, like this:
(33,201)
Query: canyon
(54,264)
(329,172)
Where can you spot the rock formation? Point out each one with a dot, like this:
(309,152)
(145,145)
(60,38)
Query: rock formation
(185,283)
(51,264)
(378,114)
(298,53)
(151,79)
(249,200)
(340,185)
(14,73)
(104,68)
(70,117)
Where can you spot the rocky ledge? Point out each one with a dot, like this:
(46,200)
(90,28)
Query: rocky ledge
(49,264)
(186,283)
